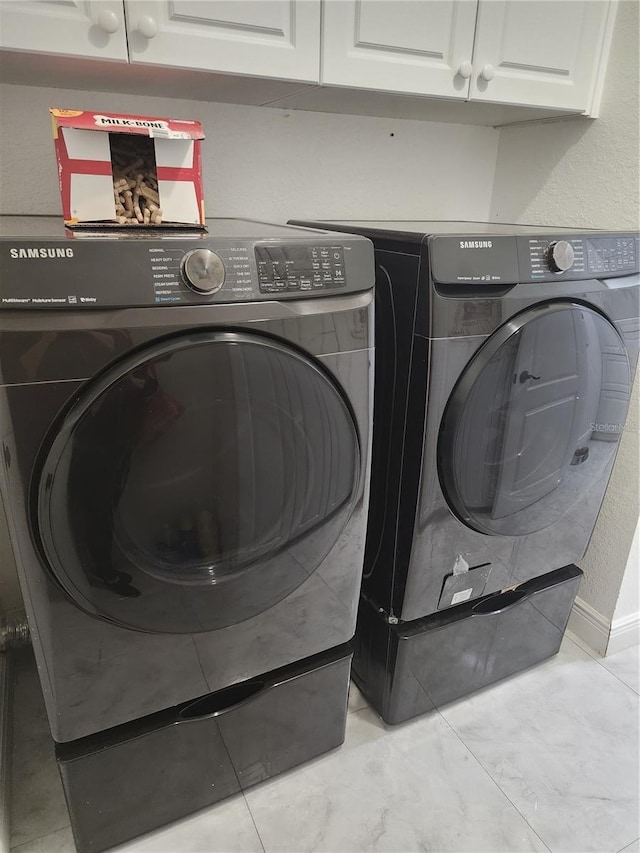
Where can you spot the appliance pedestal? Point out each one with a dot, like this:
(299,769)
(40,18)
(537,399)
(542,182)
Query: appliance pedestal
(139,776)
(413,667)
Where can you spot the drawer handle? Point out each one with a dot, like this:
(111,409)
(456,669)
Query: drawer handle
(500,602)
(108,21)
(488,72)
(147,26)
(466,69)
(221,701)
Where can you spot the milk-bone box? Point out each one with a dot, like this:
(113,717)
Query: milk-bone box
(118,170)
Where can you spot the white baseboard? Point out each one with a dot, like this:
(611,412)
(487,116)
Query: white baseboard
(5,755)
(592,627)
(599,633)
(624,634)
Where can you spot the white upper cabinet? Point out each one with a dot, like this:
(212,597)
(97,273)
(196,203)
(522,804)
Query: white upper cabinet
(405,46)
(93,28)
(265,38)
(535,53)
(538,53)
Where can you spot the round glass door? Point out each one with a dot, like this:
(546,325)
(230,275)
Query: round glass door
(198,483)
(530,430)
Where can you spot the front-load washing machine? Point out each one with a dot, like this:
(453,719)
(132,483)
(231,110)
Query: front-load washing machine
(505,356)
(186,443)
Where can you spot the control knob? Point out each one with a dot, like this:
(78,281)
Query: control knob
(560,256)
(203,270)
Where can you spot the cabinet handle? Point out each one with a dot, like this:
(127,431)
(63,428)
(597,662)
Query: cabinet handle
(147,27)
(466,69)
(488,72)
(108,21)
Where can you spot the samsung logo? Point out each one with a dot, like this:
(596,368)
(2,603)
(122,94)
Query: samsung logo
(476,244)
(41,253)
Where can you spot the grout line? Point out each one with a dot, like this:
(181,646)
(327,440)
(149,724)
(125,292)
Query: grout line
(253,820)
(635,841)
(601,660)
(580,643)
(16,848)
(486,771)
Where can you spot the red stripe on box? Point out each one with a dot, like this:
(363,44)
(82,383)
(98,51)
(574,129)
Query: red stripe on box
(175,173)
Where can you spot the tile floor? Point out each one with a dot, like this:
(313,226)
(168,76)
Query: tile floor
(546,761)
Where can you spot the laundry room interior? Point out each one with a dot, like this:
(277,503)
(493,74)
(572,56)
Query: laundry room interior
(533,745)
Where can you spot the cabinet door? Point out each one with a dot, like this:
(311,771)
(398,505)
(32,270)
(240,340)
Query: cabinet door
(399,46)
(265,38)
(536,53)
(94,28)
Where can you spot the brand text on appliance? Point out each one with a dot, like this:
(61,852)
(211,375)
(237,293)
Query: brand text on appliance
(41,252)
(476,244)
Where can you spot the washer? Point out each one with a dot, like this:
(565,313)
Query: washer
(186,447)
(505,358)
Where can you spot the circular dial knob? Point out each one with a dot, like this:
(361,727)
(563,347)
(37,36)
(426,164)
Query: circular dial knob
(203,270)
(560,256)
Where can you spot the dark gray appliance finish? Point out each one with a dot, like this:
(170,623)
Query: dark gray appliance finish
(236,261)
(502,388)
(186,486)
(414,667)
(135,777)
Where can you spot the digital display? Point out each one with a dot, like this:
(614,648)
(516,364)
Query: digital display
(611,254)
(290,268)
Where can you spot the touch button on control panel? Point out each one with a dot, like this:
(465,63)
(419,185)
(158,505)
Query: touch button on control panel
(297,268)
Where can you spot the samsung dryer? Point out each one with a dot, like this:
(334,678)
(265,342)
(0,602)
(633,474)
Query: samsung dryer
(505,356)
(185,469)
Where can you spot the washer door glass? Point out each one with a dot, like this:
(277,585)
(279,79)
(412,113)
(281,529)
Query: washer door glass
(198,483)
(530,430)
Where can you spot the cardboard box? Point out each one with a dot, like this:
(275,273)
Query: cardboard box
(93,150)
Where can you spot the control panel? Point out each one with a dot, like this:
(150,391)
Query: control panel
(507,260)
(585,256)
(294,268)
(611,254)
(167,270)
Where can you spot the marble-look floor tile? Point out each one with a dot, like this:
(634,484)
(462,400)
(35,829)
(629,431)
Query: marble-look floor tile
(56,842)
(224,828)
(625,665)
(411,788)
(356,700)
(37,800)
(634,847)
(561,741)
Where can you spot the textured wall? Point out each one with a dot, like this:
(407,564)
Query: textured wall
(274,164)
(587,174)
(579,172)
(266,164)
(628,603)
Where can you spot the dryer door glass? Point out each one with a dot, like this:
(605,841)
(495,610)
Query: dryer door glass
(530,431)
(198,483)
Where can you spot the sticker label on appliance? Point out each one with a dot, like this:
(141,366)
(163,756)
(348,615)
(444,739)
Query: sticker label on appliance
(463,595)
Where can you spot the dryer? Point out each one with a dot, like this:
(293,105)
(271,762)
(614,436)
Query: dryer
(186,447)
(505,356)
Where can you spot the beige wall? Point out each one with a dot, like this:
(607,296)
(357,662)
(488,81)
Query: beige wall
(587,174)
